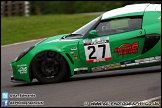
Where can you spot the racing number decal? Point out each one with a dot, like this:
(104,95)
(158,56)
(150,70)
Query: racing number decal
(103,54)
(97,50)
(93,51)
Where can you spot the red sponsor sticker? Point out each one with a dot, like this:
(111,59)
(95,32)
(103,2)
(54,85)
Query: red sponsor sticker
(99,60)
(127,48)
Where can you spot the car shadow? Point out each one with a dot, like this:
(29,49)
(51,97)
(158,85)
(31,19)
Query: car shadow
(90,76)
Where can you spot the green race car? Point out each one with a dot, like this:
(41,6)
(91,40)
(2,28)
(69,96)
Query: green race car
(127,37)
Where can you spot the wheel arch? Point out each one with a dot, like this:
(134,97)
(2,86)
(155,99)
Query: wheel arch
(68,62)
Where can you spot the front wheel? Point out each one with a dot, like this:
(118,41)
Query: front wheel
(49,67)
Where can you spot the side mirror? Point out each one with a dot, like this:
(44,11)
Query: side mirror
(92,34)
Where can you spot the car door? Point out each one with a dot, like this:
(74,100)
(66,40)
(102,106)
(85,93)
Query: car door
(117,40)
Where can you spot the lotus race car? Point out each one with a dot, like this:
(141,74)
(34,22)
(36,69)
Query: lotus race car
(126,37)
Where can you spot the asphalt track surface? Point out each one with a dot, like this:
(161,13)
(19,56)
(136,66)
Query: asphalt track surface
(122,85)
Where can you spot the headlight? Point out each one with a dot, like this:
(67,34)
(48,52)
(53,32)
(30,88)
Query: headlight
(24,53)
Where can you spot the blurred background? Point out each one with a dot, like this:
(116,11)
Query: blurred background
(20,8)
(27,20)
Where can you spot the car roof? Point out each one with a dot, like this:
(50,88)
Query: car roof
(131,9)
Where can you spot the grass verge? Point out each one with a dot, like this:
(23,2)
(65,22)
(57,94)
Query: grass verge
(18,29)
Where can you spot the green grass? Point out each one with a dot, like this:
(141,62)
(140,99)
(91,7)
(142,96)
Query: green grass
(18,29)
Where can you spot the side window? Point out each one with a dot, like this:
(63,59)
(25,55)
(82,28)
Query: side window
(119,25)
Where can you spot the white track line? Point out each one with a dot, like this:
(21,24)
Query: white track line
(21,42)
(148,100)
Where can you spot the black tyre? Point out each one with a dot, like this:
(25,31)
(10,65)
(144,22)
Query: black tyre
(49,67)
(67,76)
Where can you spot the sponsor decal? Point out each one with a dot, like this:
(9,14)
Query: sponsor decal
(73,49)
(97,50)
(99,68)
(155,59)
(87,42)
(149,60)
(71,52)
(22,68)
(142,61)
(80,70)
(75,57)
(112,66)
(106,67)
(127,63)
(83,68)
(127,48)
(21,65)
(96,41)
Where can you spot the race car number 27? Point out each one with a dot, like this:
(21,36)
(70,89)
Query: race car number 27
(97,52)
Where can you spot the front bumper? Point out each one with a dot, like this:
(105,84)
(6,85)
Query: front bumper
(20,71)
(16,80)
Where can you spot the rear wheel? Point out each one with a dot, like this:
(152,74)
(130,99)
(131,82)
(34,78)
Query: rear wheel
(49,67)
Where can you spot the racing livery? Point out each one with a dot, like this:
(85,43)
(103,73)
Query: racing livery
(126,37)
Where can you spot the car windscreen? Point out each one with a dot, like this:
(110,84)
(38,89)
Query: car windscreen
(84,29)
